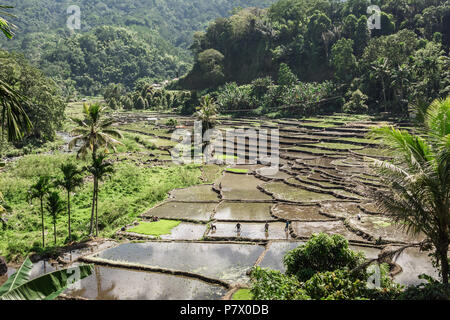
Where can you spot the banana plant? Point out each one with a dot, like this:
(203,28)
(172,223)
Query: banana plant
(46,287)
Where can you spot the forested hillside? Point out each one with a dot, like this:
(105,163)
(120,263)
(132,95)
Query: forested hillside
(404,61)
(160,34)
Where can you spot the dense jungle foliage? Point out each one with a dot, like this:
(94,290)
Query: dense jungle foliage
(154,46)
(375,70)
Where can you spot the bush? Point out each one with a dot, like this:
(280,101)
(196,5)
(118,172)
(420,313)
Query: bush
(357,103)
(273,285)
(335,285)
(233,97)
(320,254)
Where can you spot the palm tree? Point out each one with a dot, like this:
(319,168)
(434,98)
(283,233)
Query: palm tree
(5,26)
(99,169)
(39,190)
(418,179)
(94,133)
(55,205)
(13,117)
(207,113)
(71,180)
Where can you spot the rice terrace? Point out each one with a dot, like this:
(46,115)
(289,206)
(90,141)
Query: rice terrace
(224,150)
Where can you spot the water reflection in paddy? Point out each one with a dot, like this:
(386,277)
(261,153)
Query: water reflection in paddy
(243,211)
(118,284)
(228,262)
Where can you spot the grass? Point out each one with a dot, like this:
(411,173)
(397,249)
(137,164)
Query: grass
(242,294)
(131,190)
(157,228)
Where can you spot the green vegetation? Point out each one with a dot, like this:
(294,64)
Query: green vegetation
(157,228)
(31,105)
(418,180)
(46,287)
(119,42)
(242,294)
(324,268)
(130,191)
(325,47)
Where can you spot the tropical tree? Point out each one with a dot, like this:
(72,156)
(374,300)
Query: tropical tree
(39,190)
(46,287)
(55,205)
(70,181)
(418,179)
(94,133)
(99,169)
(207,113)
(13,118)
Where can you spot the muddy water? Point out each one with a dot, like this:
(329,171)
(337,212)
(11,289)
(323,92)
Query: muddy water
(253,231)
(307,229)
(228,262)
(273,174)
(414,263)
(179,210)
(243,211)
(295,212)
(283,191)
(369,253)
(340,209)
(242,187)
(273,258)
(186,231)
(196,193)
(378,226)
(119,284)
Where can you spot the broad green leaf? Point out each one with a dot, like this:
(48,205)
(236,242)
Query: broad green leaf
(48,286)
(21,276)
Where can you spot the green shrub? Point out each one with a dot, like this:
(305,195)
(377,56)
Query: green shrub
(274,285)
(320,254)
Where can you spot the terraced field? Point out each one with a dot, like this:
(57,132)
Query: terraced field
(321,185)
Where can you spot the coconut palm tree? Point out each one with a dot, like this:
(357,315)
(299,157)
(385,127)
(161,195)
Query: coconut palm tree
(418,179)
(71,180)
(99,169)
(55,205)
(13,118)
(39,190)
(94,133)
(5,26)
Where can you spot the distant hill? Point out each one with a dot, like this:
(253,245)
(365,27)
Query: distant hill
(163,29)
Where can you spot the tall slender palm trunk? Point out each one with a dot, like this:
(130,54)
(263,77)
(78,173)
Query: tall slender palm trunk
(68,212)
(54,230)
(91,227)
(42,217)
(94,156)
(96,213)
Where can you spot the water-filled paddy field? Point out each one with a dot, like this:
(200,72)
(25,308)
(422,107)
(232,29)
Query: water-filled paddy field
(320,186)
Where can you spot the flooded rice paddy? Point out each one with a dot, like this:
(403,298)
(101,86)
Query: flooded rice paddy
(322,187)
